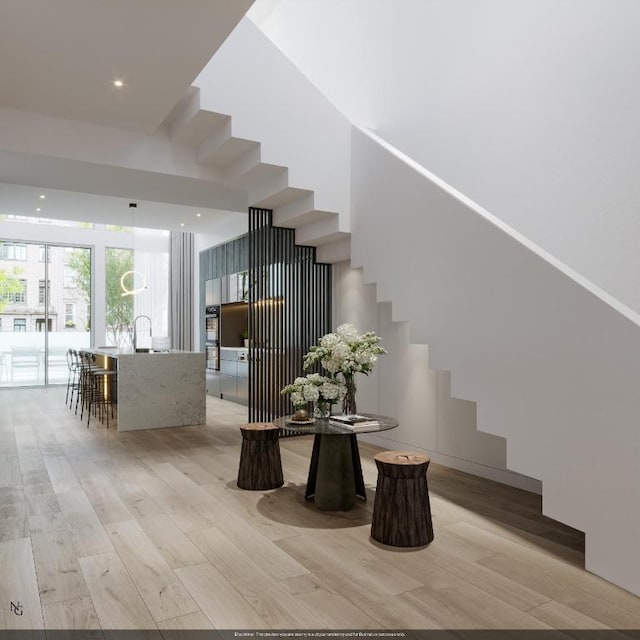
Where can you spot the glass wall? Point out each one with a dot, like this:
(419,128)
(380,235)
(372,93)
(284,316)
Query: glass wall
(151,259)
(137,284)
(44,311)
(68,289)
(46,289)
(120,287)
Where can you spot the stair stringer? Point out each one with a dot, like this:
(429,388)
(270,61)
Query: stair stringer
(238,164)
(551,361)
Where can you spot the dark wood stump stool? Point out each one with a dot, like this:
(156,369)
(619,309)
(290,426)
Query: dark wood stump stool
(401,511)
(260,465)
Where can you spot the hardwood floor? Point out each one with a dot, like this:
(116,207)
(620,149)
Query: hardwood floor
(148,531)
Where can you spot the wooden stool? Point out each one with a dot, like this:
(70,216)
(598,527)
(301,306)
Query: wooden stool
(401,511)
(260,466)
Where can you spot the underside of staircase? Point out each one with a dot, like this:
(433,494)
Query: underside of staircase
(237,163)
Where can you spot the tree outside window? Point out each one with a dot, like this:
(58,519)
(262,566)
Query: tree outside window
(12,291)
(118,308)
(10,286)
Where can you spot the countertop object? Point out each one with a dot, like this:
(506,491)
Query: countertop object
(116,352)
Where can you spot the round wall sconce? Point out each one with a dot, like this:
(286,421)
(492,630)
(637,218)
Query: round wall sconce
(126,291)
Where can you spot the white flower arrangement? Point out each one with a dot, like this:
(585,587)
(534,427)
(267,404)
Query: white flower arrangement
(346,351)
(314,388)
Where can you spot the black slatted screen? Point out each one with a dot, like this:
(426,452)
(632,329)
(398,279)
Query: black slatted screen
(289,310)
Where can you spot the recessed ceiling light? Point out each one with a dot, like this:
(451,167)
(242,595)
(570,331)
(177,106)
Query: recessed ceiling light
(118,83)
(198,215)
(182,224)
(38,209)
(42,196)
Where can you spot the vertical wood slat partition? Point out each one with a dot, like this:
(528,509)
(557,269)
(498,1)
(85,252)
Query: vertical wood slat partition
(289,310)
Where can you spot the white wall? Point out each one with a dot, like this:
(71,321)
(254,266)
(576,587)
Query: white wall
(271,102)
(403,385)
(529,108)
(551,365)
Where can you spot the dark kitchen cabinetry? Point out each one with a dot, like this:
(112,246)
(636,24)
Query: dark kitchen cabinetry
(243,382)
(224,282)
(234,375)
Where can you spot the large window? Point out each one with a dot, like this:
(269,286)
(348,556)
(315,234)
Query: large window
(69,315)
(17,293)
(41,317)
(40,324)
(42,292)
(47,221)
(69,278)
(119,269)
(11,251)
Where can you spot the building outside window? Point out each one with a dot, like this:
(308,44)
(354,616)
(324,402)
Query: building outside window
(41,290)
(41,254)
(40,324)
(66,287)
(16,297)
(69,277)
(12,251)
(69,315)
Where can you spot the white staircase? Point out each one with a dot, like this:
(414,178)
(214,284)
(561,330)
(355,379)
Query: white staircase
(270,131)
(552,362)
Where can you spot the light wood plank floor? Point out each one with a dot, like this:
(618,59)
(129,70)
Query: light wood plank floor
(147,530)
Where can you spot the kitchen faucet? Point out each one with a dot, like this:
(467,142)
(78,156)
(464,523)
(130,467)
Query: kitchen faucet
(135,334)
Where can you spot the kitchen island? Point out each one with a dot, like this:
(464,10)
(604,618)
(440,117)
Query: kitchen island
(157,390)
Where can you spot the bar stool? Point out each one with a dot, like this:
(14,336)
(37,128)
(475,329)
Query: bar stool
(101,391)
(260,464)
(401,511)
(86,366)
(73,376)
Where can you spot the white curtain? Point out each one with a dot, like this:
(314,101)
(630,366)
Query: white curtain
(182,289)
(151,261)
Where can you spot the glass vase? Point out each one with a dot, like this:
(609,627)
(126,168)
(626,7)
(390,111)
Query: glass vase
(322,410)
(349,400)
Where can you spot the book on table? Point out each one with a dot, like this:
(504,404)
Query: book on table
(356,422)
(353,418)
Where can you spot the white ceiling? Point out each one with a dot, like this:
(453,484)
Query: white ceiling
(85,207)
(60,57)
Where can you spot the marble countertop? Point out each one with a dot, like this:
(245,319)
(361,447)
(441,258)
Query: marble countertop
(114,352)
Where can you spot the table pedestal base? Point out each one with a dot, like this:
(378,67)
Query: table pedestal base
(335,474)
